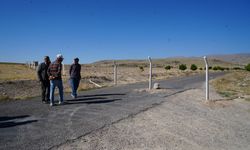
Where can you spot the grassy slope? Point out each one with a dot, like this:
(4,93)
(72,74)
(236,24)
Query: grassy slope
(233,85)
(9,71)
(168,61)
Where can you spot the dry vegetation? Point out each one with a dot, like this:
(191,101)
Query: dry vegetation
(234,85)
(17,81)
(9,72)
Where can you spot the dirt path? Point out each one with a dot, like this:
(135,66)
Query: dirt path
(183,121)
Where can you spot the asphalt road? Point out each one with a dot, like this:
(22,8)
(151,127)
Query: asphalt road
(29,124)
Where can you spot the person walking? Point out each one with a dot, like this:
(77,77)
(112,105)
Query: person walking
(75,76)
(44,79)
(55,76)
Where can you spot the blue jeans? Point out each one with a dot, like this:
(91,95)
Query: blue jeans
(53,85)
(74,86)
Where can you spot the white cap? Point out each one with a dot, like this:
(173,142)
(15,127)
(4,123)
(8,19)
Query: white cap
(59,56)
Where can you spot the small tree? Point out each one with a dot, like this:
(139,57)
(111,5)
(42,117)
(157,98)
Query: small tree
(193,67)
(168,67)
(215,68)
(247,67)
(141,68)
(182,66)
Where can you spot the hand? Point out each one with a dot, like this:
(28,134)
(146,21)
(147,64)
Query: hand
(51,77)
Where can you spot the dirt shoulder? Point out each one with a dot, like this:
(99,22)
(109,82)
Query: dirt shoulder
(183,121)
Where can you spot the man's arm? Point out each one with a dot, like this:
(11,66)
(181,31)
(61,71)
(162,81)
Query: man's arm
(48,71)
(70,70)
(80,67)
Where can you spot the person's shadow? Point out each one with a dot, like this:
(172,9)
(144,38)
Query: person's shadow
(94,99)
(6,121)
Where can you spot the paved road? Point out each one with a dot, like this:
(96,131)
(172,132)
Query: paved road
(32,125)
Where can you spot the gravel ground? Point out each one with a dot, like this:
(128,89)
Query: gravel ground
(183,121)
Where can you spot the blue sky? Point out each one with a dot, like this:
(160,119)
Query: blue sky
(122,29)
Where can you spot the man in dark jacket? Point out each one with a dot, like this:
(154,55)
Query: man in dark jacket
(55,76)
(75,76)
(44,79)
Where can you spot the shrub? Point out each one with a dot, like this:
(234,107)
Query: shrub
(193,67)
(237,68)
(141,68)
(218,68)
(215,68)
(210,67)
(247,67)
(168,67)
(201,68)
(182,66)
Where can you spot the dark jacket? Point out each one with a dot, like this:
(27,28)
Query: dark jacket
(75,71)
(42,72)
(55,70)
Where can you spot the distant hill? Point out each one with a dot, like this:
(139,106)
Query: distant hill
(231,60)
(240,59)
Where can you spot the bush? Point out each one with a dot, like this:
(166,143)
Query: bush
(168,67)
(218,68)
(141,68)
(183,67)
(247,67)
(193,67)
(237,68)
(215,68)
(201,68)
(210,67)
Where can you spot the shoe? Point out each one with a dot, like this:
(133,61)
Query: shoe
(51,104)
(61,103)
(44,102)
(73,96)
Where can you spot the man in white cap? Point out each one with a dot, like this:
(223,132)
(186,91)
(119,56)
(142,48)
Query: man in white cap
(55,77)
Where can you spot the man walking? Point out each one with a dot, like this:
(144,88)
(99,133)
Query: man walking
(55,76)
(44,79)
(75,76)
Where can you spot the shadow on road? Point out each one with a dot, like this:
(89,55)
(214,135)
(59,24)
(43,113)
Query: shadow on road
(96,95)
(6,122)
(87,101)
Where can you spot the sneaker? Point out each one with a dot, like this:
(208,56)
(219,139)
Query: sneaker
(51,104)
(73,96)
(61,103)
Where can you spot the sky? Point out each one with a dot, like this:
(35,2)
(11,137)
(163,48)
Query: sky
(96,30)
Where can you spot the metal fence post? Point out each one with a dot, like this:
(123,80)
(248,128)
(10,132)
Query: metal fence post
(150,73)
(63,69)
(115,73)
(207,78)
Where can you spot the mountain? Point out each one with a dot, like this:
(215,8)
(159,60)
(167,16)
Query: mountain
(240,59)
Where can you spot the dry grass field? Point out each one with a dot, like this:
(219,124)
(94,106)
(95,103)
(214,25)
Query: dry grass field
(17,81)
(234,85)
(10,72)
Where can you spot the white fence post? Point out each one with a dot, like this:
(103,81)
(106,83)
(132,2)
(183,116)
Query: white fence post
(115,73)
(63,69)
(207,78)
(150,73)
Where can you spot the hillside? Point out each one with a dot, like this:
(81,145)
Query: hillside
(213,61)
(239,59)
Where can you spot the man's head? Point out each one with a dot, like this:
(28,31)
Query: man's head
(76,60)
(59,57)
(46,59)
